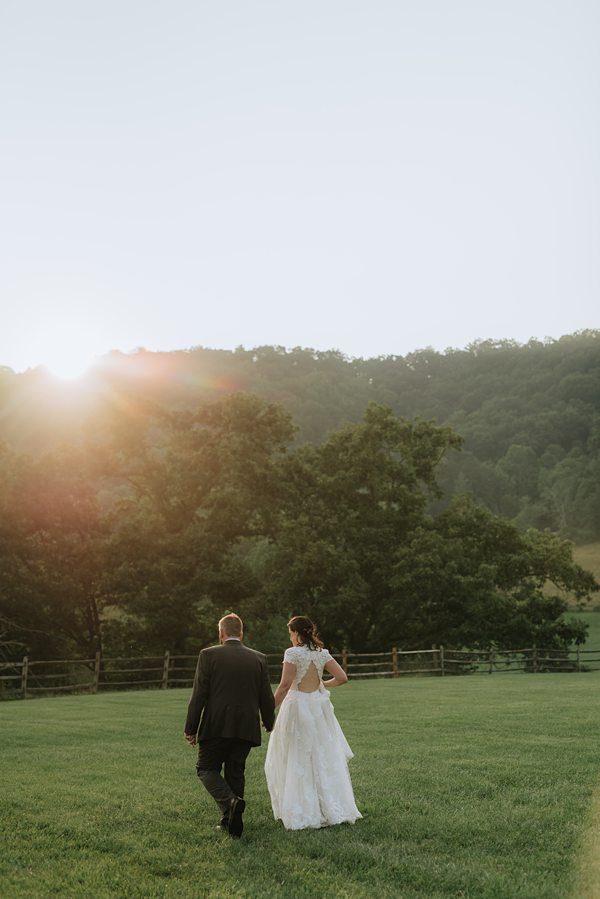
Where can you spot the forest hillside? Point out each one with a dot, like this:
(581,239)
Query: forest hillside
(413,501)
(529,414)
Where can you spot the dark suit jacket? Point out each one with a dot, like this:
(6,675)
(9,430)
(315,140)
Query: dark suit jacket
(231,689)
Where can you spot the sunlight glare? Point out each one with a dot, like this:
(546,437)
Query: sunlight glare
(68,366)
(67,354)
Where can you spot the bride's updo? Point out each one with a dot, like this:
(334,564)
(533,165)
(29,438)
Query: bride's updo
(307,632)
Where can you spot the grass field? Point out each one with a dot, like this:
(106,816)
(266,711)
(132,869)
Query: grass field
(470,787)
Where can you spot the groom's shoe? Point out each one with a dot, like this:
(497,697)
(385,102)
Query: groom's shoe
(223,824)
(236,810)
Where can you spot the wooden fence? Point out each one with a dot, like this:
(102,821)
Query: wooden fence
(441,662)
(31,677)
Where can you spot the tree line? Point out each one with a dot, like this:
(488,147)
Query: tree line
(141,535)
(529,415)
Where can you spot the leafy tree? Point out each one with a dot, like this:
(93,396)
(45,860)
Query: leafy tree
(571,493)
(520,465)
(469,578)
(349,503)
(51,538)
(210,484)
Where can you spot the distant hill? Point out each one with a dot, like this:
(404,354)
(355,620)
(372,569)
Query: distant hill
(529,414)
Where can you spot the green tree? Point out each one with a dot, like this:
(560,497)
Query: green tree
(471,579)
(201,487)
(348,505)
(520,465)
(51,540)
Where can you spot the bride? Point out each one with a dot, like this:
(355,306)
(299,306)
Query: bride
(307,757)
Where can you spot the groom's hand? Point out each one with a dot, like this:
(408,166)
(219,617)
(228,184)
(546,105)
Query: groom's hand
(191,738)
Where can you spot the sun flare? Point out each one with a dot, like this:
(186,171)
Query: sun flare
(67,355)
(69,367)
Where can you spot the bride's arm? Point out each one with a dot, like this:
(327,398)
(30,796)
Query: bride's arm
(339,676)
(287,679)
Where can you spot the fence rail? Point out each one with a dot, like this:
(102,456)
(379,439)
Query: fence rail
(29,677)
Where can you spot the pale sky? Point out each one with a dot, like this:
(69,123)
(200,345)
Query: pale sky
(373,176)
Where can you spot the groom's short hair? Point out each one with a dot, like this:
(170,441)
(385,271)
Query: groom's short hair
(231,625)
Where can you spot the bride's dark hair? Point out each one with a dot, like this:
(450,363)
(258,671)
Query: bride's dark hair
(306,630)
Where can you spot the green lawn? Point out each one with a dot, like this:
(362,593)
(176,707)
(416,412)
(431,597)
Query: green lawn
(470,787)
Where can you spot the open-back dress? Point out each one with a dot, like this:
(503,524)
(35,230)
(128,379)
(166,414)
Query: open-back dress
(307,757)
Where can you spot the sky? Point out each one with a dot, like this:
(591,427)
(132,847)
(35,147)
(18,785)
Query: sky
(371,176)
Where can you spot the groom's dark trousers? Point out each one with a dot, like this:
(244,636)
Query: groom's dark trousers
(231,695)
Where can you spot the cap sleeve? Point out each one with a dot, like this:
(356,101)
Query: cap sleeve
(326,656)
(290,656)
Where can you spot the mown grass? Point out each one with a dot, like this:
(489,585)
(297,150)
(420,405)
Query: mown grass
(471,787)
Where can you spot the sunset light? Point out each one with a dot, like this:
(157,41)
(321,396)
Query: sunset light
(68,367)
(65,349)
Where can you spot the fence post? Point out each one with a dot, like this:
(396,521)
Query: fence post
(395,661)
(578,658)
(24,674)
(167,662)
(491,667)
(534,659)
(97,666)
(442,671)
(345,659)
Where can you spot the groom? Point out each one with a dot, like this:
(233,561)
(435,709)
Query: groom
(231,689)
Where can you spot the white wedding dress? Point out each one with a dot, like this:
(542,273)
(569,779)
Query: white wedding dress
(307,757)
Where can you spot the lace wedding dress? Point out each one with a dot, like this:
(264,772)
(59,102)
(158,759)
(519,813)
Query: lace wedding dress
(307,757)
